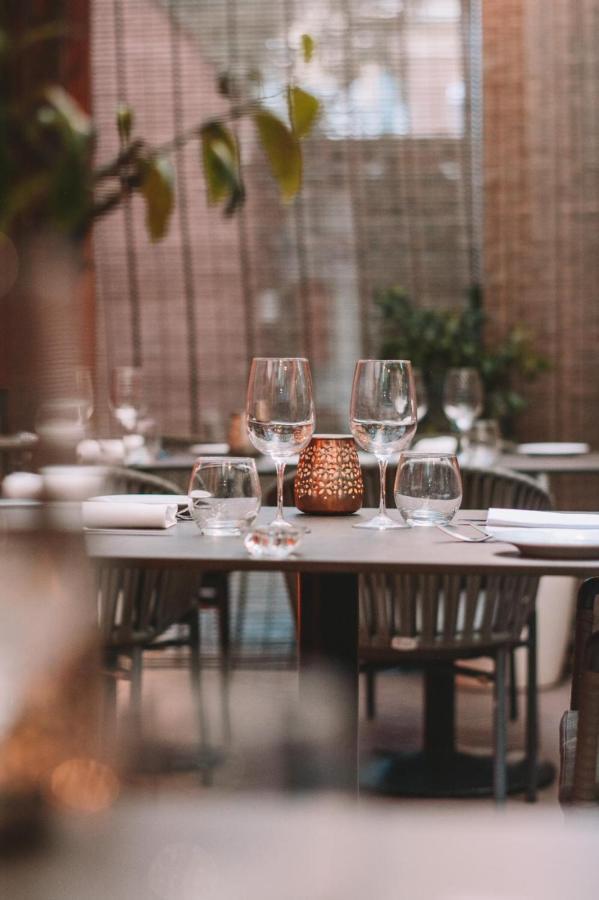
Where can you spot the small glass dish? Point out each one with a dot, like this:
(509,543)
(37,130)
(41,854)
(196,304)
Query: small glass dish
(273,541)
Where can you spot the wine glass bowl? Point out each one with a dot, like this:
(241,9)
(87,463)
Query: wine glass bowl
(421,394)
(127,396)
(383,418)
(280,412)
(463,399)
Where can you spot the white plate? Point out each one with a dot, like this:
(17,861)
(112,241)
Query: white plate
(556,448)
(209,449)
(179,499)
(551,543)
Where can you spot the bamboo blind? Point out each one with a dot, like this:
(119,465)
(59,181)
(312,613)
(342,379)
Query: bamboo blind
(541,178)
(388,193)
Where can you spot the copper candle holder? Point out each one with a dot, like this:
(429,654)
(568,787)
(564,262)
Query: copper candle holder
(328,478)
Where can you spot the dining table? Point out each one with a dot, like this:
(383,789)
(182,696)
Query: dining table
(328,564)
(177,466)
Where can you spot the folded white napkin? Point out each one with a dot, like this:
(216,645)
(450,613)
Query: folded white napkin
(103,514)
(533,518)
(441,444)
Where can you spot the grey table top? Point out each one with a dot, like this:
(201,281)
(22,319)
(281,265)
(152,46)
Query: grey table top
(581,464)
(334,545)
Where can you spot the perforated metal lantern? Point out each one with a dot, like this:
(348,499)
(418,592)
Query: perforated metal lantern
(329,478)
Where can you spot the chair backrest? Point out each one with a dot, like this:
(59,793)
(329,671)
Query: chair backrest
(131,481)
(482,488)
(136,604)
(455,614)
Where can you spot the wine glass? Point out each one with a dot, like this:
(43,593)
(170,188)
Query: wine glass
(383,418)
(462,399)
(280,413)
(421,394)
(64,417)
(126,396)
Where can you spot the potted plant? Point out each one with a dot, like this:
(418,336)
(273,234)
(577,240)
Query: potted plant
(438,339)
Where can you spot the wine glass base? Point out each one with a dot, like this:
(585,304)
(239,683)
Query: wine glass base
(281,522)
(381,523)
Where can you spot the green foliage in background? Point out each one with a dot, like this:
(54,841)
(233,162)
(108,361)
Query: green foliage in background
(47,145)
(438,339)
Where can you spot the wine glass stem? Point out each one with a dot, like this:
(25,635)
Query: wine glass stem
(280,473)
(383,486)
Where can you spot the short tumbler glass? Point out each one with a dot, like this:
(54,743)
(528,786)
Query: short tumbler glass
(224,494)
(428,487)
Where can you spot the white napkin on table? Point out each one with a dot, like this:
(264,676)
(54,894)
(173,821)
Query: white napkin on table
(104,514)
(534,518)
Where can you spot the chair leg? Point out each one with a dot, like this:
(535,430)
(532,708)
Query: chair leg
(136,685)
(195,638)
(500,727)
(584,788)
(532,710)
(109,699)
(513,688)
(370,694)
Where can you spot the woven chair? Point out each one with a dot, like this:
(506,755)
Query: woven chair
(424,619)
(213,592)
(421,620)
(579,727)
(121,480)
(137,607)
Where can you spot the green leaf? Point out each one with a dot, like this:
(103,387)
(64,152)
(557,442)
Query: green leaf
(124,121)
(283,152)
(307,47)
(303,110)
(220,161)
(157,187)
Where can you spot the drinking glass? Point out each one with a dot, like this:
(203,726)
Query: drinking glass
(280,412)
(383,418)
(463,397)
(224,494)
(421,394)
(483,444)
(60,422)
(428,487)
(82,391)
(63,417)
(127,396)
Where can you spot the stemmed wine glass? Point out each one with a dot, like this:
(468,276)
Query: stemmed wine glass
(280,413)
(463,397)
(126,396)
(383,418)
(421,394)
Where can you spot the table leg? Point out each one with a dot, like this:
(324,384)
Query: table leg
(439,769)
(328,645)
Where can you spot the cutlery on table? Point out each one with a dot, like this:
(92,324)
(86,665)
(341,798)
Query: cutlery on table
(453,532)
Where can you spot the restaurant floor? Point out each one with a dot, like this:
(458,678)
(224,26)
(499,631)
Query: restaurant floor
(258,705)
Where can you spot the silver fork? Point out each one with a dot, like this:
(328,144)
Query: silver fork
(452,531)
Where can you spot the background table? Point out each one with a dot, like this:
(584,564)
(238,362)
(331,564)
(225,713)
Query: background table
(332,557)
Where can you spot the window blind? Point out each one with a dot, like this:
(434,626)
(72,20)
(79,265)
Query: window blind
(389,194)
